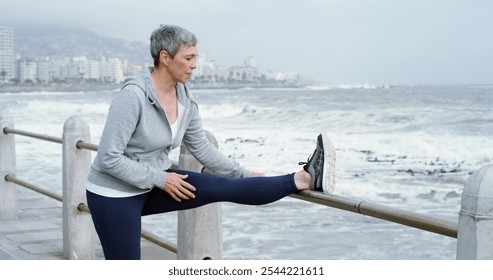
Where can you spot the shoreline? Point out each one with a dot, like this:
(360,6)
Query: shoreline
(56,88)
(9,88)
(114,87)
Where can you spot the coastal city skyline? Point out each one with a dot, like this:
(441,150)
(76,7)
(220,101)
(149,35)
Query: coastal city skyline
(16,68)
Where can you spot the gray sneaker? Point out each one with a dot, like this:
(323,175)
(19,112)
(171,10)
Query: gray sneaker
(321,166)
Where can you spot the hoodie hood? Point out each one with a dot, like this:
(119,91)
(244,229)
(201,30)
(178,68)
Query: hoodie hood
(145,83)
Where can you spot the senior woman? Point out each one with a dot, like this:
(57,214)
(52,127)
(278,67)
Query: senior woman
(131,175)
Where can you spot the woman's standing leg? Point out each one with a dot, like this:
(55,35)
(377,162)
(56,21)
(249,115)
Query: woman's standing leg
(118,224)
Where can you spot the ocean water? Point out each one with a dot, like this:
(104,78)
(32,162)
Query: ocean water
(408,147)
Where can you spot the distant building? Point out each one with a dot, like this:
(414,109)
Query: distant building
(27,71)
(46,70)
(210,72)
(247,73)
(243,74)
(7,59)
(78,69)
(111,71)
(81,65)
(250,61)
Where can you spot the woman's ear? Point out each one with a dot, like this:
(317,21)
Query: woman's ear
(164,57)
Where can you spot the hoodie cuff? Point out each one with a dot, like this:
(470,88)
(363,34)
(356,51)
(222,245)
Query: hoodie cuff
(159,179)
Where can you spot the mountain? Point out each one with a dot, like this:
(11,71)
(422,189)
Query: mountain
(51,40)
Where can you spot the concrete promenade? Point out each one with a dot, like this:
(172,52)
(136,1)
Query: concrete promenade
(37,232)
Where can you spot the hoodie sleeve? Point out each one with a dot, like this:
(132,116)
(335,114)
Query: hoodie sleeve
(208,155)
(123,118)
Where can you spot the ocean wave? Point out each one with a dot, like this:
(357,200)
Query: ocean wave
(348,86)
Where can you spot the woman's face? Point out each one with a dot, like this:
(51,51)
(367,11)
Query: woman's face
(185,61)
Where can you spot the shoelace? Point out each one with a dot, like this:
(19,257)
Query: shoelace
(316,164)
(305,162)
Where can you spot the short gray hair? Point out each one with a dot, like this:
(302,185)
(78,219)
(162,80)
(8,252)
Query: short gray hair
(170,38)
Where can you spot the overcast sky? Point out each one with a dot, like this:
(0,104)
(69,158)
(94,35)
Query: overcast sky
(338,42)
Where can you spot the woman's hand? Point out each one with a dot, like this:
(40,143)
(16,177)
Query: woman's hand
(177,187)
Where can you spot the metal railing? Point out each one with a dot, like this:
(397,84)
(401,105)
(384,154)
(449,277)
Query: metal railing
(431,224)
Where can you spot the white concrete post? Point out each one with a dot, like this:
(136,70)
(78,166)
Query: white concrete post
(200,229)
(8,197)
(78,230)
(475,230)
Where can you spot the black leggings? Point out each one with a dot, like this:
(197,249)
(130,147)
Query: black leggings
(118,220)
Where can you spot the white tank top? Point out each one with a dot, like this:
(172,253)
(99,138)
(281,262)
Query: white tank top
(174,127)
(174,130)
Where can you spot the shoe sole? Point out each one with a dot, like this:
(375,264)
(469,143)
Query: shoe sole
(328,182)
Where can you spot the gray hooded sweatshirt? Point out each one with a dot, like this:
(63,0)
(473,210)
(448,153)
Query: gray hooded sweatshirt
(133,153)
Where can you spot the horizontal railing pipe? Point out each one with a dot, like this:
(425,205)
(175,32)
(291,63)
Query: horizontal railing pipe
(159,242)
(412,219)
(87,146)
(7,130)
(83,208)
(32,187)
